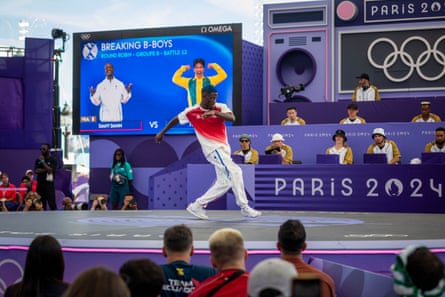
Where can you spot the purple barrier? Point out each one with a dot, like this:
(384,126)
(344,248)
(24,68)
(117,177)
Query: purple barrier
(389,110)
(362,188)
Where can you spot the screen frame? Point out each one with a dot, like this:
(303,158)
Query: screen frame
(236,31)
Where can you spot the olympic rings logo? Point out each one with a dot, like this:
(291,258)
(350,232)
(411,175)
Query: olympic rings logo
(407,59)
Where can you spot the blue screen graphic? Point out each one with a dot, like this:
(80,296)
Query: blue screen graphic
(148,64)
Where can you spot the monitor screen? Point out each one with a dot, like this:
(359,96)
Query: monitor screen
(135,81)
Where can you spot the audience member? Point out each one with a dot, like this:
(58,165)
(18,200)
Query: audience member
(38,205)
(121,178)
(353,117)
(99,203)
(249,154)
(271,277)
(98,282)
(340,148)
(143,277)
(181,277)
(365,91)
(228,255)
(130,202)
(383,146)
(418,272)
(9,192)
(45,167)
(278,147)
(438,145)
(67,204)
(30,198)
(291,242)
(25,187)
(29,173)
(425,114)
(44,269)
(292,118)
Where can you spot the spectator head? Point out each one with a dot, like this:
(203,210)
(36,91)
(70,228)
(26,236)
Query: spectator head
(340,133)
(418,272)
(271,277)
(44,260)
(178,239)
(425,107)
(98,281)
(67,203)
(291,237)
(143,277)
(226,247)
(29,173)
(291,113)
(440,135)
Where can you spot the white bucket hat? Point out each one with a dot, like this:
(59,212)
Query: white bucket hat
(378,131)
(277,137)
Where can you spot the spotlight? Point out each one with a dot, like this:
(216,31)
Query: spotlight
(58,33)
(289,90)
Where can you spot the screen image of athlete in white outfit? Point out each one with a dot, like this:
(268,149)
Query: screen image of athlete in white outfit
(110,94)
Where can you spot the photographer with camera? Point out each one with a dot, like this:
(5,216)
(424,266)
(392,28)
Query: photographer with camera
(130,202)
(278,147)
(99,203)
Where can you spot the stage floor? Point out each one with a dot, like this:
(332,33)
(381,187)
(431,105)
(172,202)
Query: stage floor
(144,229)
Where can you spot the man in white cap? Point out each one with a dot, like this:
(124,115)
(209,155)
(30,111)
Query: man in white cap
(426,116)
(383,146)
(365,91)
(271,277)
(278,147)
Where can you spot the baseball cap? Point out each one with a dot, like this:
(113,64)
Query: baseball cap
(29,171)
(363,75)
(244,136)
(378,131)
(425,103)
(274,274)
(277,137)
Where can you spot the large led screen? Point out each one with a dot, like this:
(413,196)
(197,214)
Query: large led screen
(135,81)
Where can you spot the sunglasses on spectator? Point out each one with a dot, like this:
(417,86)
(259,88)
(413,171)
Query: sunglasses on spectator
(244,140)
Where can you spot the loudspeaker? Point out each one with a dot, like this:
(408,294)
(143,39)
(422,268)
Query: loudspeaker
(297,51)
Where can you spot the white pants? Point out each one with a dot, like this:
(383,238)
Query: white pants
(228,175)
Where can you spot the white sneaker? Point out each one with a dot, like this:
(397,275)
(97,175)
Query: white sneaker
(250,212)
(197,210)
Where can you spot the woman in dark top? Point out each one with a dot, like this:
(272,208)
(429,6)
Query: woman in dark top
(44,268)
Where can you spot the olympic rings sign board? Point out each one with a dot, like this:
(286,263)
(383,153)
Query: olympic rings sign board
(396,60)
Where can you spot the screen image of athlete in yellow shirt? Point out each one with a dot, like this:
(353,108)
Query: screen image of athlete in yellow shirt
(195,84)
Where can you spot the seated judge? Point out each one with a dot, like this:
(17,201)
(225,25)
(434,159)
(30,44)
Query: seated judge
(278,147)
(426,116)
(382,145)
(340,148)
(292,118)
(438,145)
(249,154)
(353,117)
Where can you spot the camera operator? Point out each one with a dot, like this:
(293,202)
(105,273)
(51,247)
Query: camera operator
(278,147)
(129,202)
(99,203)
